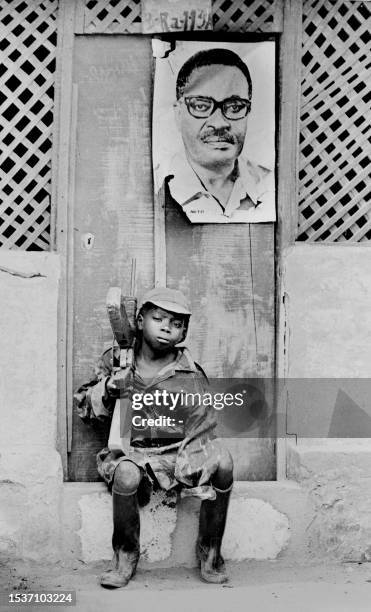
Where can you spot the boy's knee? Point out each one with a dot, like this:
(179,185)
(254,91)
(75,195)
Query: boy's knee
(223,477)
(126,478)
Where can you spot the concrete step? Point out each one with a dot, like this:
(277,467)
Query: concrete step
(265,520)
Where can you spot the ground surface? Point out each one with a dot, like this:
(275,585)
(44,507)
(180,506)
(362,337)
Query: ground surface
(266,586)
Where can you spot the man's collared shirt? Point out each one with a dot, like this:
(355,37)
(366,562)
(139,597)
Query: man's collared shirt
(252,199)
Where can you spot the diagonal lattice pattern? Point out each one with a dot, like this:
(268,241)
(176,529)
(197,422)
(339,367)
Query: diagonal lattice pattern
(124,16)
(28,49)
(244,16)
(335,127)
(112,16)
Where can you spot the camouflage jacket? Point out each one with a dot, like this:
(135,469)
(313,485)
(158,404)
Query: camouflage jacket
(183,383)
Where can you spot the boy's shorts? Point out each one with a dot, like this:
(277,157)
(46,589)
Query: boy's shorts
(159,467)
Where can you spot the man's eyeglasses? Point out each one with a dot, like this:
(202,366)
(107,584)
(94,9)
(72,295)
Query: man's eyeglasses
(202,107)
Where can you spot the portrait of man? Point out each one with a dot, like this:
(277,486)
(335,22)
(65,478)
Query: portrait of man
(208,173)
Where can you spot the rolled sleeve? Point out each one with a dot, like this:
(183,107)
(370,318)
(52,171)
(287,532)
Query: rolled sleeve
(92,401)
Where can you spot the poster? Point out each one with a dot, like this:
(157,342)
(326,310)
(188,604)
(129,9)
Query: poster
(214,130)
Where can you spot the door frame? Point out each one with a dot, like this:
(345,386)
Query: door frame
(63,162)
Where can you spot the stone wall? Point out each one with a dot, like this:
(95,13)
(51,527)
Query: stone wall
(336,474)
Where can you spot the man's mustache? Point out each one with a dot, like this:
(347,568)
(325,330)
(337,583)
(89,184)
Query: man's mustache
(216,134)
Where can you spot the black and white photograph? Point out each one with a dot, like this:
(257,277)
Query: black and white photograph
(185,290)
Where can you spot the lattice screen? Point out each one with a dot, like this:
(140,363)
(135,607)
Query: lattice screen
(112,16)
(246,16)
(28,48)
(124,16)
(335,129)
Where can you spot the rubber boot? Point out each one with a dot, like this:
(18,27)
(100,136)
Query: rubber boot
(213,515)
(125,541)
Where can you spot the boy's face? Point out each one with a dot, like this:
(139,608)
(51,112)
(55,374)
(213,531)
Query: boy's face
(162,329)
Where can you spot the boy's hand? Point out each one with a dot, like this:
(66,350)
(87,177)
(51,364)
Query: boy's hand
(111,387)
(119,382)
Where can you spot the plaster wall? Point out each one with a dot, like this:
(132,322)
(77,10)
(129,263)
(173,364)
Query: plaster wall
(30,467)
(328,288)
(326,339)
(327,345)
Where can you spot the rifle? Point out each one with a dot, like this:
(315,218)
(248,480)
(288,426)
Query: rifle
(121,312)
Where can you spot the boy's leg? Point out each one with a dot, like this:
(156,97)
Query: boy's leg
(213,515)
(126,526)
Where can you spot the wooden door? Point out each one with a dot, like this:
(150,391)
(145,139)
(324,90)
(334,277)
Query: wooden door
(228,271)
(113,202)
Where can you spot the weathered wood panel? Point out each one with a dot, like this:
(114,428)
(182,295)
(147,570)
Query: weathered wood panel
(228,274)
(113,219)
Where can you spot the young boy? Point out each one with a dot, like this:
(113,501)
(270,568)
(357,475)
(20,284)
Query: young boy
(169,445)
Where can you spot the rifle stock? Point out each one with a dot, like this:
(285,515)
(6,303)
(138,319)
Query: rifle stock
(121,312)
